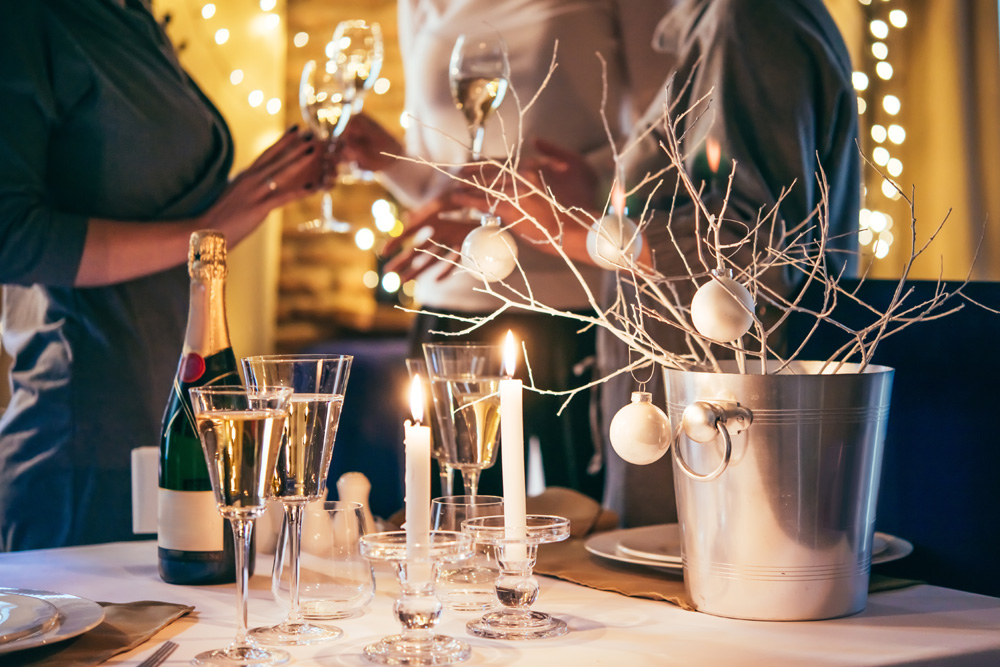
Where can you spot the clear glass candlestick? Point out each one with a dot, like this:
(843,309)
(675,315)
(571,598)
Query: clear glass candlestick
(516,588)
(417,608)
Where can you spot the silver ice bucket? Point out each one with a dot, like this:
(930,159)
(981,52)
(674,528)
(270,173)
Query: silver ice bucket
(776,479)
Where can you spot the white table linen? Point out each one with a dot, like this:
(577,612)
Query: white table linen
(921,624)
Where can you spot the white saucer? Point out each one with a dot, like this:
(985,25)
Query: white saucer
(23,615)
(75,616)
(659,546)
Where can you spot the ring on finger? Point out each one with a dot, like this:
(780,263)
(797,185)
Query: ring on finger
(272,185)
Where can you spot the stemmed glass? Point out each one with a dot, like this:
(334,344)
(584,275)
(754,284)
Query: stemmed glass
(326,102)
(357,50)
(241,432)
(318,382)
(478,74)
(445,469)
(465,384)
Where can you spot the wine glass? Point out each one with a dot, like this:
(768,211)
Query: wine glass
(326,102)
(241,432)
(465,385)
(318,382)
(357,50)
(470,585)
(446,470)
(478,74)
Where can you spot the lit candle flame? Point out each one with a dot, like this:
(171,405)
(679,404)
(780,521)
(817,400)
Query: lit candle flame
(713,153)
(417,399)
(509,355)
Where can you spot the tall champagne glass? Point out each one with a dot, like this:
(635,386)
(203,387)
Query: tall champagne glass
(241,432)
(465,386)
(445,469)
(300,473)
(326,102)
(478,74)
(357,49)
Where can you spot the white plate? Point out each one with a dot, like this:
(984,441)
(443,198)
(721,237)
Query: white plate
(659,546)
(23,615)
(76,616)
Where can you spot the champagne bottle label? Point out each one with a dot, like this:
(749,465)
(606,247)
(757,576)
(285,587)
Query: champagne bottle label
(189,521)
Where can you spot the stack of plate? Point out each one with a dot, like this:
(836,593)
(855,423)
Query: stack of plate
(32,618)
(659,546)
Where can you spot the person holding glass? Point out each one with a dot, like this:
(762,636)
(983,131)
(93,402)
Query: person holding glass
(110,157)
(568,112)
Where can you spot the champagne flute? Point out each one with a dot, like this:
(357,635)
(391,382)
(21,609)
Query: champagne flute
(241,432)
(300,473)
(465,386)
(478,74)
(325,101)
(445,469)
(357,50)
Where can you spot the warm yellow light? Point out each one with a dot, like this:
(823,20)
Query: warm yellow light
(880,248)
(391,282)
(894,167)
(862,106)
(891,104)
(409,287)
(860,81)
(404,120)
(236,77)
(364,238)
(370,279)
(865,237)
(208,11)
(381,86)
(330,50)
(268,5)
(897,134)
(880,156)
(889,190)
(877,222)
(884,70)
(865,2)
(879,29)
(273,106)
(256,98)
(271,21)
(898,18)
(397,229)
(300,39)
(880,50)
(878,133)
(864,215)
(221,36)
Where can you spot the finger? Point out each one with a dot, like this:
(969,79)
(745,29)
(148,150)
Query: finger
(556,152)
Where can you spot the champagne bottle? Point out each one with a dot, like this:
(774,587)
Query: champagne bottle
(195,544)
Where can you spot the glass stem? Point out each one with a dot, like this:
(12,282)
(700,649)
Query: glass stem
(447,478)
(242,530)
(478,134)
(293,514)
(327,207)
(470,480)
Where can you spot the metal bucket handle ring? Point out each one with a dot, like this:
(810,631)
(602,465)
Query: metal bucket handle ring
(700,422)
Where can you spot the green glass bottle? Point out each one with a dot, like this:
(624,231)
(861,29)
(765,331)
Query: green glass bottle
(195,544)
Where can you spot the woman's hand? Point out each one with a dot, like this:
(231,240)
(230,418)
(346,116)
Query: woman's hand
(365,142)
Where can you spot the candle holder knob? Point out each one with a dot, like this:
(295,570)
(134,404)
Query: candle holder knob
(516,587)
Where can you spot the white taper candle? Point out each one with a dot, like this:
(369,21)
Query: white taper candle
(417,477)
(512,454)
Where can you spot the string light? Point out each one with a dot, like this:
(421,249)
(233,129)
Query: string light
(391,282)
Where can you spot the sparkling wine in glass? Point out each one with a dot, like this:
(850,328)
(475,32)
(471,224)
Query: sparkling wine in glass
(326,103)
(478,74)
(241,432)
(303,463)
(465,386)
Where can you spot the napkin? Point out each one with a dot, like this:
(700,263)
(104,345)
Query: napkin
(125,626)
(569,560)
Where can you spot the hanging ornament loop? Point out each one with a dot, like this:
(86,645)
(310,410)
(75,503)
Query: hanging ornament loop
(702,421)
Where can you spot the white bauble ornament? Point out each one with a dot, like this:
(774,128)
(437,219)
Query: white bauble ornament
(490,250)
(716,309)
(640,432)
(612,242)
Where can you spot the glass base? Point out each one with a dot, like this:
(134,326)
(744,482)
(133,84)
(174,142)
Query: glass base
(398,650)
(292,634)
(242,656)
(517,625)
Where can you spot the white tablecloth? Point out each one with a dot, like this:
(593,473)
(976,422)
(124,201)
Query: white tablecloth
(921,624)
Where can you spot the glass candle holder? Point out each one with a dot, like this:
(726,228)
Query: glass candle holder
(516,588)
(417,608)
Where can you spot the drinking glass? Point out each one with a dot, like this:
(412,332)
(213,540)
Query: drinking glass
(241,432)
(445,469)
(335,580)
(357,50)
(326,102)
(478,74)
(318,382)
(465,385)
(469,585)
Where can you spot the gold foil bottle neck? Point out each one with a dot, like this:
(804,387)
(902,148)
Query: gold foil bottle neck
(207,254)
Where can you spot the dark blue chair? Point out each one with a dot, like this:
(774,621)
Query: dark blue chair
(939,487)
